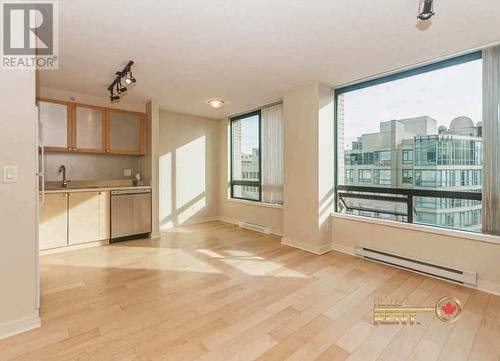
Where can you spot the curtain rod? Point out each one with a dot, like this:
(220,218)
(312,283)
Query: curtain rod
(415,65)
(254,109)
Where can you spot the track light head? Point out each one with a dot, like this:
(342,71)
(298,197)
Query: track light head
(129,78)
(114,98)
(120,88)
(426,10)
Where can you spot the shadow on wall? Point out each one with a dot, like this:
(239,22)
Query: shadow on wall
(183,183)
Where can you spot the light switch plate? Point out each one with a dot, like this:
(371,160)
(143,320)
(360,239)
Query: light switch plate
(10,174)
(127,172)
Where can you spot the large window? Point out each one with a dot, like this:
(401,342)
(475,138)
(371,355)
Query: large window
(245,157)
(256,159)
(421,133)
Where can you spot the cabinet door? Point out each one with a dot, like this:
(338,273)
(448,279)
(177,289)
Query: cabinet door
(88,217)
(53,229)
(89,129)
(126,132)
(54,118)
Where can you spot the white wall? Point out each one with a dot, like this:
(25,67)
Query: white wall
(189,169)
(18,249)
(454,251)
(81,98)
(246,211)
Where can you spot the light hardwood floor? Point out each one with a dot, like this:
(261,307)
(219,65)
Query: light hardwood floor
(216,292)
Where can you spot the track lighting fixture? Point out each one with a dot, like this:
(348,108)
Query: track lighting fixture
(426,10)
(116,87)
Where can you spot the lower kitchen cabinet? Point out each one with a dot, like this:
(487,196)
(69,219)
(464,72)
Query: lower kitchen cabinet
(88,217)
(53,229)
(74,218)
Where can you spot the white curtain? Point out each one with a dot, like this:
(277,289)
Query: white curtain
(272,154)
(491,140)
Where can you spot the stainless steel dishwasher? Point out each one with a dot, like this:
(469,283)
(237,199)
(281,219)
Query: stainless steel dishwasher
(130,214)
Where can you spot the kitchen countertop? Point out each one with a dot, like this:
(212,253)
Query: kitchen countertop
(92,189)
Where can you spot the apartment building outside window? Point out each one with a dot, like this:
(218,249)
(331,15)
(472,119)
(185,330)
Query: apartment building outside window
(418,130)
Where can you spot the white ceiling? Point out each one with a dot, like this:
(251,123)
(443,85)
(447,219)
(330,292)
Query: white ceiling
(249,53)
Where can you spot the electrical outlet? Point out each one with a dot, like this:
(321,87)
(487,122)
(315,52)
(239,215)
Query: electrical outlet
(127,172)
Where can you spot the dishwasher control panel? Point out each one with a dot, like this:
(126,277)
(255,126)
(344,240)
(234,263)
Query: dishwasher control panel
(130,191)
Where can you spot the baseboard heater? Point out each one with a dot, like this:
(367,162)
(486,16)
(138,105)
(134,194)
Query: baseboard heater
(439,271)
(255,227)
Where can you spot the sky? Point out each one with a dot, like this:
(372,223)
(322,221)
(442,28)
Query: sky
(249,134)
(442,94)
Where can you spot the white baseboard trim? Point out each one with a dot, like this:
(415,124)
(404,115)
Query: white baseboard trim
(316,249)
(74,247)
(189,222)
(342,248)
(489,287)
(154,235)
(277,232)
(228,220)
(485,286)
(20,325)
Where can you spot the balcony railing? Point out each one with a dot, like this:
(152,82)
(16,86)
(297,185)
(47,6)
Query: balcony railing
(396,195)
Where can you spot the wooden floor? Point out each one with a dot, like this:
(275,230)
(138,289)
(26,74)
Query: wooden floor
(217,292)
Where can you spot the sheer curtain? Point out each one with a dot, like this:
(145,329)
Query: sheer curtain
(491,139)
(272,154)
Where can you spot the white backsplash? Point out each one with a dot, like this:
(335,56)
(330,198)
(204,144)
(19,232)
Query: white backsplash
(80,166)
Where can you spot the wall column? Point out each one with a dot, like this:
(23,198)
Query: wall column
(18,204)
(308,167)
(150,164)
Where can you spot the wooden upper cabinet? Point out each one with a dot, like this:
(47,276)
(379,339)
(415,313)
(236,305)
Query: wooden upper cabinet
(126,132)
(55,124)
(89,129)
(73,127)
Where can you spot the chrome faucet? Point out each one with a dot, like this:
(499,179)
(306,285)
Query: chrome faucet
(65,182)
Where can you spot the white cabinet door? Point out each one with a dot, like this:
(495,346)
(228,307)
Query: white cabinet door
(88,217)
(126,132)
(90,129)
(54,125)
(53,229)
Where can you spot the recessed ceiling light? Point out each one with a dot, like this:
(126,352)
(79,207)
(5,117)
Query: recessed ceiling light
(216,103)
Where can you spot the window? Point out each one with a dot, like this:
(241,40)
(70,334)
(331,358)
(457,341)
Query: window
(256,155)
(419,129)
(407,156)
(382,157)
(349,175)
(407,176)
(245,157)
(365,175)
(382,176)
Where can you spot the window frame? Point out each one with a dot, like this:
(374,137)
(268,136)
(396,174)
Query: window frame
(407,161)
(233,182)
(440,64)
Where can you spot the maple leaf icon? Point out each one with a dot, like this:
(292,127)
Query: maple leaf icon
(449,308)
